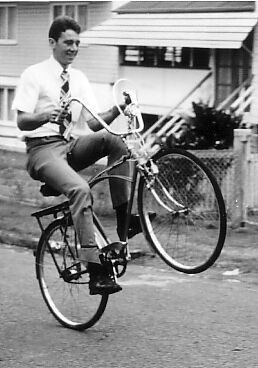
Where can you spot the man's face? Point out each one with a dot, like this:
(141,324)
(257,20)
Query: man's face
(66,47)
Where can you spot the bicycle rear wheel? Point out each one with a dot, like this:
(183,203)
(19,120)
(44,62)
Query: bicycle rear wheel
(189,229)
(63,281)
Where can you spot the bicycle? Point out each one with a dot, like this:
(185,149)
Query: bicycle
(179,202)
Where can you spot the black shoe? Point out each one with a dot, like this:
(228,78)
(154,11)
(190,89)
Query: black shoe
(135,224)
(100,281)
(103,285)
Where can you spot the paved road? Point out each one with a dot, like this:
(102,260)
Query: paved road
(160,319)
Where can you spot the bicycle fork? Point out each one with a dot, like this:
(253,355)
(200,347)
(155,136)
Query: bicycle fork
(150,174)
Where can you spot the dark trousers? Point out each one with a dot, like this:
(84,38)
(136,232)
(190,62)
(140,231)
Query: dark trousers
(56,162)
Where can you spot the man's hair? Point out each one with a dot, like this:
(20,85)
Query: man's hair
(61,24)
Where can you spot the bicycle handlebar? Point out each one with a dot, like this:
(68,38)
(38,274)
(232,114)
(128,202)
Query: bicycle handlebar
(132,111)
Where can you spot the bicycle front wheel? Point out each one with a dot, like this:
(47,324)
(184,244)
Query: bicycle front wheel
(189,227)
(62,280)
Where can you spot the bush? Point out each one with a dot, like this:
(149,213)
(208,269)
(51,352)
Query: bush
(209,128)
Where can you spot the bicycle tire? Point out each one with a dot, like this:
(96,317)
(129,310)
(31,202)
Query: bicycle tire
(190,232)
(69,302)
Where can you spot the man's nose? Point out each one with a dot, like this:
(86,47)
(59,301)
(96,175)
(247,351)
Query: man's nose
(74,47)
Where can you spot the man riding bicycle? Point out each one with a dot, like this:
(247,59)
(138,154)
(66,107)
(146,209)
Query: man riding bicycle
(55,155)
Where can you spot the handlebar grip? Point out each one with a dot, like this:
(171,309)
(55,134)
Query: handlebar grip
(127,98)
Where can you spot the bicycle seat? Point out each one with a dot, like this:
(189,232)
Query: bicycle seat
(48,191)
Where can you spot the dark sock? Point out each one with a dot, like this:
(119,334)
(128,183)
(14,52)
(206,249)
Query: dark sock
(121,218)
(95,269)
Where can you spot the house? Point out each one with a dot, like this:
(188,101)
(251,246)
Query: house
(175,52)
(183,51)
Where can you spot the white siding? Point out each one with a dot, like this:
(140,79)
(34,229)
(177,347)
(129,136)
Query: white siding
(254,106)
(99,63)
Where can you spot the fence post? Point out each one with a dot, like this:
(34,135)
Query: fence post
(242,149)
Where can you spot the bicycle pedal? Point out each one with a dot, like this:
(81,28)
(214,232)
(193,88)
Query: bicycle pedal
(116,246)
(69,275)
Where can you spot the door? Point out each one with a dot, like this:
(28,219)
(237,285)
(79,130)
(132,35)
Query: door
(233,67)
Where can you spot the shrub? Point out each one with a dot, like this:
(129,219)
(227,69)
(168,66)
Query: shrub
(209,128)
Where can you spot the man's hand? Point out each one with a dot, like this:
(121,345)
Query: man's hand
(56,115)
(131,110)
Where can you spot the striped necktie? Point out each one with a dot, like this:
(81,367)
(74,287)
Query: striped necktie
(65,95)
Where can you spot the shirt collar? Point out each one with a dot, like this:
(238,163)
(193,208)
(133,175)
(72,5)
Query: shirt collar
(56,66)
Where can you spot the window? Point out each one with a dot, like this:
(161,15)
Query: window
(6,99)
(166,57)
(78,11)
(8,22)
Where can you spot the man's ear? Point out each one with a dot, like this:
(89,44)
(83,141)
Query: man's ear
(52,42)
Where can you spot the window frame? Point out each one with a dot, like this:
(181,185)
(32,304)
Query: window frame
(142,51)
(76,5)
(6,104)
(6,40)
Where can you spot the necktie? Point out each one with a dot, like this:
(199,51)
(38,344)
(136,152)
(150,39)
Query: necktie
(65,95)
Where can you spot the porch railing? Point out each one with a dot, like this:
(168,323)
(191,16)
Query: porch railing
(171,122)
(238,102)
(240,99)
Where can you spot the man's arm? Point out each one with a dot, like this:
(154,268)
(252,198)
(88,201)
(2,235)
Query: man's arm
(32,121)
(25,102)
(108,116)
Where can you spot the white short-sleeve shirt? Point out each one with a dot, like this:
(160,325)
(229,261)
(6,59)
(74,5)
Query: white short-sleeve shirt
(39,88)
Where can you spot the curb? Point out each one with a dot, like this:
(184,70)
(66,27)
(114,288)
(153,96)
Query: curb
(11,238)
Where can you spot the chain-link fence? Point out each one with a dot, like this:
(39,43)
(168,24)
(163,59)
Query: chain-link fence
(236,171)
(224,166)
